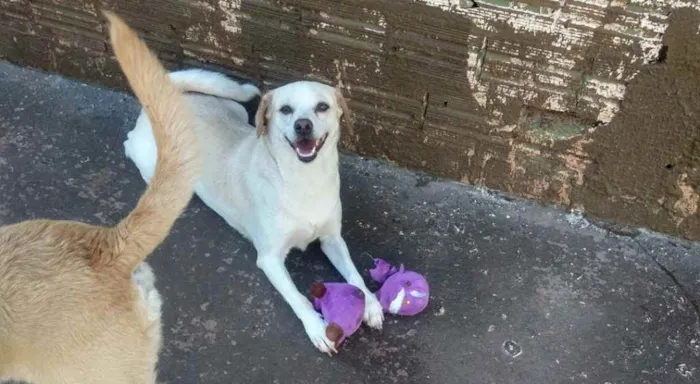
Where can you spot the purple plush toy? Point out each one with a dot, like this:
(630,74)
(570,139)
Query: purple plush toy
(342,306)
(404,293)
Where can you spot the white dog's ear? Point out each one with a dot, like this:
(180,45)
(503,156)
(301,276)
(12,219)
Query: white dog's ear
(342,103)
(261,114)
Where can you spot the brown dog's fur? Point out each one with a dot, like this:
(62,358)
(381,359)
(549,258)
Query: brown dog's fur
(70,309)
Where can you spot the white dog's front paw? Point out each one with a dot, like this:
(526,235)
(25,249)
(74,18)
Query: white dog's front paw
(316,330)
(374,315)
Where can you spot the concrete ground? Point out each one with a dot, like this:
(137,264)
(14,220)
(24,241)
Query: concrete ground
(520,293)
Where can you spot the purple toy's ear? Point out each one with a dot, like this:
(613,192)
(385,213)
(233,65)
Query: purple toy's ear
(334,333)
(318,290)
(381,271)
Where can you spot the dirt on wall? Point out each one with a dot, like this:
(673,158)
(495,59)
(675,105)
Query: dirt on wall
(645,166)
(589,104)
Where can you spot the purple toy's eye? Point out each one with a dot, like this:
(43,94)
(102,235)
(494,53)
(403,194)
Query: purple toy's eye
(408,283)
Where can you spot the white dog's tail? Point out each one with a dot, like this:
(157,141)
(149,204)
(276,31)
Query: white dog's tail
(214,84)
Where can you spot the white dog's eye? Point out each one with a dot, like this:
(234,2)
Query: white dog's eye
(286,109)
(322,107)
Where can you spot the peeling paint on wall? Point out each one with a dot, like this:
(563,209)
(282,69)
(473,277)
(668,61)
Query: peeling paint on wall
(572,25)
(230,9)
(688,201)
(575,87)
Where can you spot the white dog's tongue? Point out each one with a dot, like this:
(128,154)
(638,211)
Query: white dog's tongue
(306,148)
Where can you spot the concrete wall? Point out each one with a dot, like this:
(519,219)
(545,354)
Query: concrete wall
(589,104)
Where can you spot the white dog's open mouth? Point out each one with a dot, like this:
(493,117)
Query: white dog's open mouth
(307,149)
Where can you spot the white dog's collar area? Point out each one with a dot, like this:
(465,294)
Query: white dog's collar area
(307,149)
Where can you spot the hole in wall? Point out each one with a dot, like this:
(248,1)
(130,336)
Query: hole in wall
(663,53)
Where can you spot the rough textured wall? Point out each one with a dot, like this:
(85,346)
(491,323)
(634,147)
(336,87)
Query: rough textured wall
(590,104)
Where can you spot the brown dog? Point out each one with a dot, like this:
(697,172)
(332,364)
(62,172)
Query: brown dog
(77,305)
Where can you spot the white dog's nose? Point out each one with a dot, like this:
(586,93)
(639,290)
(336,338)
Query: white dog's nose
(303,127)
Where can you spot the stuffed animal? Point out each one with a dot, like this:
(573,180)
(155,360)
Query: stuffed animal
(403,292)
(342,306)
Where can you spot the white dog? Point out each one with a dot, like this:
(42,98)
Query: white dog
(277,185)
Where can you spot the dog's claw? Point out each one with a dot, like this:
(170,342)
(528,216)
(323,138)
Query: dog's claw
(316,330)
(374,315)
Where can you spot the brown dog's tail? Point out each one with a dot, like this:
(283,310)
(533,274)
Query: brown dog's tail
(172,186)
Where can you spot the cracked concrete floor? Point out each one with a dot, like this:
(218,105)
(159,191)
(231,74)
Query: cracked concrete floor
(520,293)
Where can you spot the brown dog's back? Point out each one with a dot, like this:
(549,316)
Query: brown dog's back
(70,311)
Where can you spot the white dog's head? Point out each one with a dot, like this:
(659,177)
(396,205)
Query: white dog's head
(301,118)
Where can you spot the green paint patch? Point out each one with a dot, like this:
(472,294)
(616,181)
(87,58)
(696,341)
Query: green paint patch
(537,9)
(555,131)
(634,31)
(548,127)
(531,147)
(481,59)
(501,3)
(639,8)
